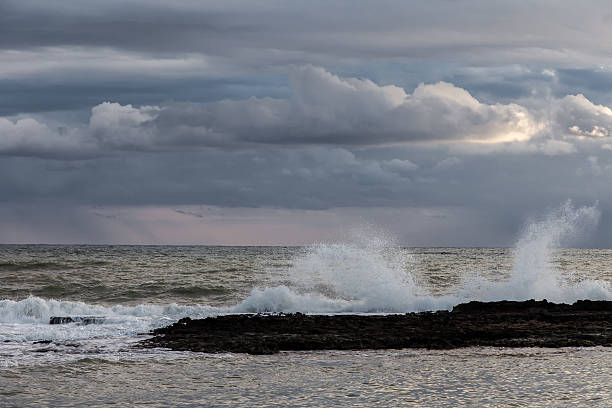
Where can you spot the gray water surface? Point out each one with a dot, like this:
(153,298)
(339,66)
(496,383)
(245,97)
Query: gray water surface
(141,287)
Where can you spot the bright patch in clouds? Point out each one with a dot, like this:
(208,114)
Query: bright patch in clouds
(287,117)
(324,109)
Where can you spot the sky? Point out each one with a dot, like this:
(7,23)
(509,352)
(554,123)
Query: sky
(443,123)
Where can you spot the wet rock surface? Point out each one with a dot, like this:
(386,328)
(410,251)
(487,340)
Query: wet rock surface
(501,324)
(84,320)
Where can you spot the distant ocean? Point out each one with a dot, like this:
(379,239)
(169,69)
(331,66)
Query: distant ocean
(137,288)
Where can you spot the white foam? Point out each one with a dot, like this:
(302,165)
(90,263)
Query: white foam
(35,309)
(25,321)
(533,275)
(370,274)
(366,274)
(28,319)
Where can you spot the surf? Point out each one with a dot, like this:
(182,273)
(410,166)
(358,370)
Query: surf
(367,273)
(372,275)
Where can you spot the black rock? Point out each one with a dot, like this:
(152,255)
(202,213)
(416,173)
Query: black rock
(499,324)
(76,319)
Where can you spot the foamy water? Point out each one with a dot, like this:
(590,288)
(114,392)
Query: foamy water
(371,276)
(134,289)
(366,274)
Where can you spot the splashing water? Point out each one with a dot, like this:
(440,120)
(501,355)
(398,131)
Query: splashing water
(370,275)
(533,274)
(532,269)
(28,319)
(367,274)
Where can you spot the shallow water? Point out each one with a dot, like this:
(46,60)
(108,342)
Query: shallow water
(465,377)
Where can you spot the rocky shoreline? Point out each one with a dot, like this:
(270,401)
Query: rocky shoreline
(499,324)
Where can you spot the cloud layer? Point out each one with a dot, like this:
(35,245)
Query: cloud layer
(450,121)
(324,109)
(270,32)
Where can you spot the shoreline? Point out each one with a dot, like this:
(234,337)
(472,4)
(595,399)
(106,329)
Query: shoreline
(495,324)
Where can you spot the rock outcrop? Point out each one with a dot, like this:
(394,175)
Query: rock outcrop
(501,324)
(76,319)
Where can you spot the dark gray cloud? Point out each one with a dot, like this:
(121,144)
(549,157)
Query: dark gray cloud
(289,31)
(45,95)
(501,189)
(463,117)
(322,109)
(73,55)
(314,178)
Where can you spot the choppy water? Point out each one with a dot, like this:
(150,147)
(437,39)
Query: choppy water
(136,288)
(466,377)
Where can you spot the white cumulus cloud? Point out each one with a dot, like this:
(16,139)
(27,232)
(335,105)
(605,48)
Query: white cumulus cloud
(324,109)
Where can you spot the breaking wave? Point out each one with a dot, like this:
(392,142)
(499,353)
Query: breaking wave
(533,275)
(371,275)
(27,319)
(368,274)
(38,310)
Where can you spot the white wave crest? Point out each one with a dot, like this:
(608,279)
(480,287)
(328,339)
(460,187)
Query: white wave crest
(38,310)
(370,275)
(533,275)
(28,319)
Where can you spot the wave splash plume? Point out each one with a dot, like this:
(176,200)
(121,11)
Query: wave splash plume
(372,275)
(533,274)
(368,274)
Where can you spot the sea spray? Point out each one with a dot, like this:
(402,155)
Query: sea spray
(369,267)
(34,309)
(368,273)
(28,319)
(533,276)
(371,274)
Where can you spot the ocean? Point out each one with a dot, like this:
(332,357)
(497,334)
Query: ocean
(137,288)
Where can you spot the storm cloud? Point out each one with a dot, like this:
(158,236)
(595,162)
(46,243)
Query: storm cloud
(448,123)
(271,32)
(324,109)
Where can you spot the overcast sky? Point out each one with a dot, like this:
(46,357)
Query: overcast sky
(445,123)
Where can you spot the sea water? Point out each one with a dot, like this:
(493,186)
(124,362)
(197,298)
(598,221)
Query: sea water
(137,288)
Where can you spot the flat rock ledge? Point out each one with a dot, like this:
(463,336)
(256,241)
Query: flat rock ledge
(498,324)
